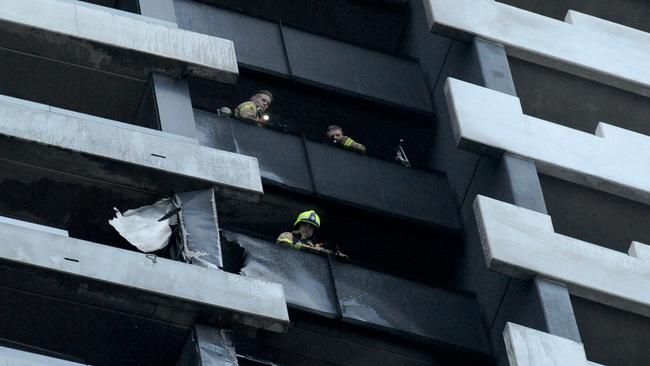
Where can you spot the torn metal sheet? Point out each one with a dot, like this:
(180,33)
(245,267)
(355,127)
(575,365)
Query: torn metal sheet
(305,277)
(200,241)
(148,227)
(209,346)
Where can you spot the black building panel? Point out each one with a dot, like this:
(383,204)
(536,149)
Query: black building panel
(345,175)
(258,43)
(313,59)
(379,300)
(338,174)
(304,276)
(356,70)
(376,24)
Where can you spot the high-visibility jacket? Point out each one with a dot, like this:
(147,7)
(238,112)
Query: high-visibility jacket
(350,144)
(295,240)
(249,107)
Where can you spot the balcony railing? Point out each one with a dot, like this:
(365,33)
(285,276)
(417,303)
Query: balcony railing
(325,286)
(325,171)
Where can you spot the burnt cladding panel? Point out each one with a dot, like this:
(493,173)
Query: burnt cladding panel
(304,276)
(258,43)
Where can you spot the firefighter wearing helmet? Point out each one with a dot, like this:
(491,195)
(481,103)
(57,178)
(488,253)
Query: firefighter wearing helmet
(303,232)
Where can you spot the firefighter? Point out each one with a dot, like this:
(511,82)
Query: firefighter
(336,137)
(254,108)
(305,227)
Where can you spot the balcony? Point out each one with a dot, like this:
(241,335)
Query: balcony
(326,287)
(305,57)
(47,276)
(323,171)
(609,289)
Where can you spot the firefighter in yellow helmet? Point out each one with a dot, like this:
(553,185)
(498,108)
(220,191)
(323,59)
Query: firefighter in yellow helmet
(303,234)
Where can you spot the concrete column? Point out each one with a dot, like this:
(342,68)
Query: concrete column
(167,101)
(558,311)
(208,346)
(159,9)
(518,182)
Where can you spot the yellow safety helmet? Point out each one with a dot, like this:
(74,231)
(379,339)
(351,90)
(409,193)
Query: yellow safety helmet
(309,217)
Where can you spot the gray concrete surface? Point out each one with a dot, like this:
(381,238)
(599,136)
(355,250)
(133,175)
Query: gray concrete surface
(96,37)
(36,123)
(14,357)
(249,301)
(529,347)
(521,243)
(614,160)
(583,45)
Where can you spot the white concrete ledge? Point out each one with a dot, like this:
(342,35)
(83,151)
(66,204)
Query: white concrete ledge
(522,243)
(614,160)
(529,347)
(586,46)
(37,123)
(166,47)
(250,301)
(14,357)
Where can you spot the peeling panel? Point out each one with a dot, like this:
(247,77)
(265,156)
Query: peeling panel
(305,277)
(200,228)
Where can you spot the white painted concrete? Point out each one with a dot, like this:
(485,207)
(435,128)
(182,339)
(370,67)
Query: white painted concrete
(639,250)
(37,123)
(522,243)
(254,302)
(582,45)
(529,347)
(614,160)
(14,357)
(29,225)
(200,54)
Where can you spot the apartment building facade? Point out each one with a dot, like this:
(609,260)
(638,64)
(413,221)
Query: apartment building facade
(514,238)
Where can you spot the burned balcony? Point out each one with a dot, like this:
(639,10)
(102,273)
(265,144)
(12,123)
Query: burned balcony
(332,288)
(319,170)
(55,162)
(114,291)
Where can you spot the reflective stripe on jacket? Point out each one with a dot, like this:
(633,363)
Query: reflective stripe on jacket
(294,240)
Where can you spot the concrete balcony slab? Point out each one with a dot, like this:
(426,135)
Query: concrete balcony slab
(614,160)
(10,356)
(581,45)
(38,135)
(529,347)
(522,243)
(78,271)
(112,41)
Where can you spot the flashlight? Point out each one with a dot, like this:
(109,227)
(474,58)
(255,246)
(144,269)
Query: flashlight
(265,118)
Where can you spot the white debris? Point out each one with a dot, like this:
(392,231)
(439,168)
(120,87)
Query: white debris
(142,228)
